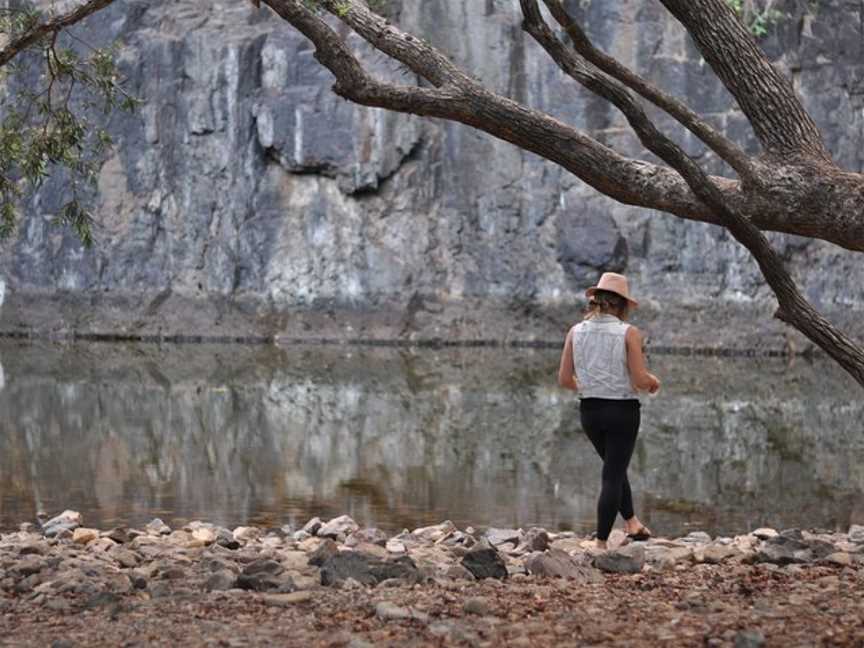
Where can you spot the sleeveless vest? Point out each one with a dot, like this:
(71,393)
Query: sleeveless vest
(600,359)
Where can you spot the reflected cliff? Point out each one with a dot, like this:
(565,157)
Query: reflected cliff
(401,438)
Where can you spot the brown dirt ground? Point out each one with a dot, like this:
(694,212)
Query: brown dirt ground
(704,605)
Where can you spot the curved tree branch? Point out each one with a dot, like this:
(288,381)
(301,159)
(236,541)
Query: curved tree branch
(715,140)
(794,308)
(37,32)
(765,96)
(466,101)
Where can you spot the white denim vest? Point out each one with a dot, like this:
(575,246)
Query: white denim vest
(600,358)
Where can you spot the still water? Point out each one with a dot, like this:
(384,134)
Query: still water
(402,438)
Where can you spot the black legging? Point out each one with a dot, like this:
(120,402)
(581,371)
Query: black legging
(612,426)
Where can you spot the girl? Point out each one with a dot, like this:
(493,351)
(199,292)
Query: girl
(604,362)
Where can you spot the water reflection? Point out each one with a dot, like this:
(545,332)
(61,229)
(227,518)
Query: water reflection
(400,439)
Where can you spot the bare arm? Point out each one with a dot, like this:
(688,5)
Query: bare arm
(566,372)
(639,375)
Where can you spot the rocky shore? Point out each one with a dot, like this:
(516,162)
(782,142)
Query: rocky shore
(333,583)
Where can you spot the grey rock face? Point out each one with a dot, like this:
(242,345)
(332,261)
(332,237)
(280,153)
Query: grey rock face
(244,196)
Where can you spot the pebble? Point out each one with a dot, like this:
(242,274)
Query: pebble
(338,528)
(82,536)
(764,533)
(477,605)
(839,558)
(277,569)
(387,611)
(395,546)
(311,527)
(204,535)
(245,534)
(157,527)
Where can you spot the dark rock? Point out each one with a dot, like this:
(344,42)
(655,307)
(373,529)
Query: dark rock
(559,564)
(32,549)
(120,535)
(30,565)
(820,548)
(124,557)
(484,561)
(220,581)
(458,572)
(792,534)
(263,566)
(535,539)
(27,584)
(326,550)
(626,560)
(367,536)
(338,528)
(312,526)
(477,605)
(263,575)
(224,538)
(780,554)
(366,569)
(173,573)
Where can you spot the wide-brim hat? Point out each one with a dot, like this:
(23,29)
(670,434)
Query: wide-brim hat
(614,283)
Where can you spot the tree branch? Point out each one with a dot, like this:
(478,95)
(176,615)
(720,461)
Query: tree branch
(37,32)
(423,59)
(628,181)
(766,97)
(716,141)
(794,308)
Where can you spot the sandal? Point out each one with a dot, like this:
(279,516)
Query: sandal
(641,535)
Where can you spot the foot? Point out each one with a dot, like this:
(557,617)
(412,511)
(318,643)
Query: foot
(635,530)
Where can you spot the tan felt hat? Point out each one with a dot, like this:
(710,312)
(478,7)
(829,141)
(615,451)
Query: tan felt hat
(615,283)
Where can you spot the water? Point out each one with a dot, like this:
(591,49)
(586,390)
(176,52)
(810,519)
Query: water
(400,439)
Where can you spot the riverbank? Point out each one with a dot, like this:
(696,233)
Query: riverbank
(333,583)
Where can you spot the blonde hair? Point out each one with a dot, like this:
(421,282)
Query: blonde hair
(605,302)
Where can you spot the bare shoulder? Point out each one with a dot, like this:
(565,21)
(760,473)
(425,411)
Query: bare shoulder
(633,336)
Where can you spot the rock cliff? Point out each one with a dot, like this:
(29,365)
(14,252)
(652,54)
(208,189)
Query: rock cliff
(244,197)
